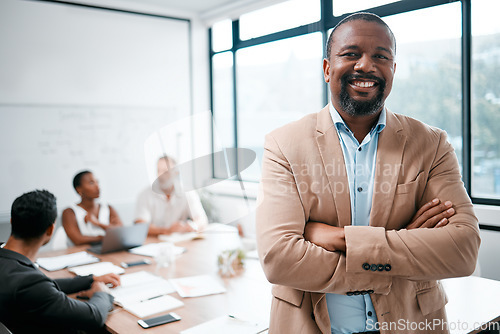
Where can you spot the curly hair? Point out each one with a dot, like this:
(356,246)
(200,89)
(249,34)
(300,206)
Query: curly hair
(32,213)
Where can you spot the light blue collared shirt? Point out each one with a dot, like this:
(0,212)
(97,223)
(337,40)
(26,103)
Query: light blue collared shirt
(349,314)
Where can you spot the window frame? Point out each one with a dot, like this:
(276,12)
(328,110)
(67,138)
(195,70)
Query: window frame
(329,21)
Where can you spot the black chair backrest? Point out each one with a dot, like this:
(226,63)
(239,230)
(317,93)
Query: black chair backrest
(4,330)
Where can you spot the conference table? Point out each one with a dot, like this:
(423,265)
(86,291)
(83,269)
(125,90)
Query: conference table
(473,301)
(473,305)
(248,292)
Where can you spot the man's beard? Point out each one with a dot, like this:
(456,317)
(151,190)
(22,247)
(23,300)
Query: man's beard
(361,108)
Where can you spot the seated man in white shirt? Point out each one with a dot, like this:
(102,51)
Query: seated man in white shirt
(172,210)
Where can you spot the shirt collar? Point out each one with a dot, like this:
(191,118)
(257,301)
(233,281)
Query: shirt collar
(339,122)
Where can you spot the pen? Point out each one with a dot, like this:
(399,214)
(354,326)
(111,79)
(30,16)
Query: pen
(242,320)
(151,298)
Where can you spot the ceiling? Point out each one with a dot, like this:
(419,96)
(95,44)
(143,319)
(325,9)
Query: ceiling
(210,11)
(195,6)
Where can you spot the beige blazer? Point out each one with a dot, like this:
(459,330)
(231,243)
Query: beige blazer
(304,179)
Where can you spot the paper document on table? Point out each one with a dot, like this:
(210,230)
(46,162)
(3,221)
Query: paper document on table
(64,261)
(178,237)
(139,287)
(196,286)
(97,269)
(153,249)
(227,325)
(153,306)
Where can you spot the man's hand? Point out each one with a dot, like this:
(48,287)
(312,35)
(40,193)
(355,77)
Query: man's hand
(96,287)
(331,238)
(432,215)
(112,279)
(181,226)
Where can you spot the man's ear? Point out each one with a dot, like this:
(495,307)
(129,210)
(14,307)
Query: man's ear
(50,230)
(326,69)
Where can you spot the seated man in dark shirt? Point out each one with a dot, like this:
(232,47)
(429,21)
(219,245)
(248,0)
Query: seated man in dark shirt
(30,302)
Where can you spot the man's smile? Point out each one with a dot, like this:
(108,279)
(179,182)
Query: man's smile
(363,84)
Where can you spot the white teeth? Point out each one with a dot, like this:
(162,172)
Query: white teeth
(363,84)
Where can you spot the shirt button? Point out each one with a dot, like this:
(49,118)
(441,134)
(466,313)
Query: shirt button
(370,313)
(360,189)
(359,148)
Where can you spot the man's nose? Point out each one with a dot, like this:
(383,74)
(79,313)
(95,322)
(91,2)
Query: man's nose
(364,64)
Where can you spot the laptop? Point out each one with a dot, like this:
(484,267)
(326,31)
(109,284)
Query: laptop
(121,238)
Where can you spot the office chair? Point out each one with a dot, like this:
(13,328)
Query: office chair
(4,330)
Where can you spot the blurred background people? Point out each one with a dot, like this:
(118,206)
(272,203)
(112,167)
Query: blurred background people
(87,221)
(169,209)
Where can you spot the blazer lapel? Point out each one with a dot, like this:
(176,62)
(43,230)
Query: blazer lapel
(390,148)
(334,166)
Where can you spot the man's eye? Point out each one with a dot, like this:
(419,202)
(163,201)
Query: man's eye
(381,57)
(350,54)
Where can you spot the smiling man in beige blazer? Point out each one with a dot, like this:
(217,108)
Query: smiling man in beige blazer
(362,210)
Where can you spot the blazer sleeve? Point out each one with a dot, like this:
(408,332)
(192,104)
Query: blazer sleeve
(286,257)
(42,299)
(75,284)
(424,253)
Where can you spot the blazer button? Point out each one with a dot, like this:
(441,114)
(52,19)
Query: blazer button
(364,292)
(357,293)
(366,266)
(373,267)
(380,267)
(350,293)
(370,291)
(387,267)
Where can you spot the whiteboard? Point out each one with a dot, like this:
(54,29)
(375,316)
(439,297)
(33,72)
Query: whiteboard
(83,88)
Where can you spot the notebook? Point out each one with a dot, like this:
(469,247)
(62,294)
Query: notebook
(144,294)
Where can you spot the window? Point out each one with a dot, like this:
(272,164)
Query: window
(427,83)
(222,97)
(485,99)
(343,7)
(277,83)
(279,17)
(222,36)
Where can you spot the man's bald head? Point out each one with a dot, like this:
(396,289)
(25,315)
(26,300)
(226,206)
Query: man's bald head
(368,17)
